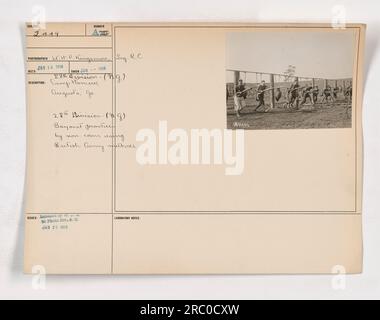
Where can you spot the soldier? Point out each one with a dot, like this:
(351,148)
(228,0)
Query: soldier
(260,94)
(293,95)
(327,94)
(315,92)
(307,93)
(335,92)
(239,97)
(278,94)
(348,92)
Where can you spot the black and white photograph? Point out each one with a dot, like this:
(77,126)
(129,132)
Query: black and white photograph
(289,79)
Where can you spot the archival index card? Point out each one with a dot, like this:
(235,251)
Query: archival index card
(194,148)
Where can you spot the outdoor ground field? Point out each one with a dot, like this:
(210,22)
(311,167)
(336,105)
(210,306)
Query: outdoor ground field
(321,115)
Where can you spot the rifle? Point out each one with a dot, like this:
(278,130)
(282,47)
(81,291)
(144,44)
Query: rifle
(242,92)
(299,88)
(268,89)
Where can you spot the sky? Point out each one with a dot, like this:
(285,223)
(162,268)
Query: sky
(317,54)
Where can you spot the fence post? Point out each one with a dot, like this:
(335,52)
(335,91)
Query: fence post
(313,82)
(326,83)
(236,77)
(272,100)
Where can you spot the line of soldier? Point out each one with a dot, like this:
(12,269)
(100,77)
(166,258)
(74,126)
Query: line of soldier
(296,95)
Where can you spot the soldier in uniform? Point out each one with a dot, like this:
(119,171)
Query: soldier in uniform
(348,92)
(239,97)
(260,94)
(327,94)
(278,94)
(335,92)
(307,93)
(315,92)
(293,95)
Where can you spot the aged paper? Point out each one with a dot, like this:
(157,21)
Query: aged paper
(194,148)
